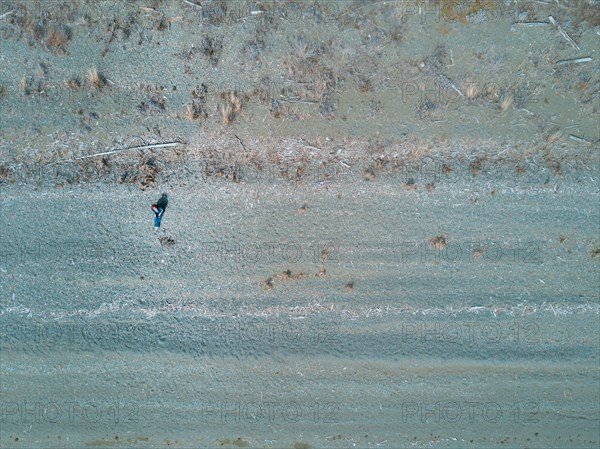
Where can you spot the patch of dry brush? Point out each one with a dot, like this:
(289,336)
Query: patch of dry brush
(233,103)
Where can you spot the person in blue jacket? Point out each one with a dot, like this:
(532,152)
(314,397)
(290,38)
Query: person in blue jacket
(158,213)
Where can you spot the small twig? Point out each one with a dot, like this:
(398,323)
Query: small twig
(563,32)
(457,90)
(6,14)
(143,147)
(192,4)
(310,147)
(578,139)
(574,61)
(296,100)
(241,143)
(531,24)
(556,4)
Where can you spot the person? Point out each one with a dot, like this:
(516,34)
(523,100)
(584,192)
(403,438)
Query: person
(158,212)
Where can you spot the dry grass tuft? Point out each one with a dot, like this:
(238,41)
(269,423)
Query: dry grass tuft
(195,110)
(471,90)
(419,151)
(102,165)
(57,38)
(505,103)
(268,283)
(96,79)
(211,48)
(233,103)
(475,167)
(520,170)
(369,174)
(156,100)
(410,184)
(31,85)
(143,173)
(284,276)
(24,84)
(73,83)
(227,114)
(303,56)
(589,11)
(554,136)
(289,276)
(438,242)
(5,174)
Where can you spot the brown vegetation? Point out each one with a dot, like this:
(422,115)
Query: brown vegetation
(302,209)
(143,173)
(233,103)
(57,38)
(73,83)
(96,79)
(195,110)
(438,242)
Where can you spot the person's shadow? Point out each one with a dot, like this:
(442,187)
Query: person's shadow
(163,201)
